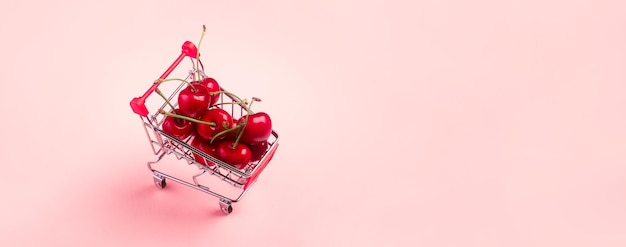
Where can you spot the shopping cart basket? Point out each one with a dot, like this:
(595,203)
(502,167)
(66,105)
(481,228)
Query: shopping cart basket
(164,144)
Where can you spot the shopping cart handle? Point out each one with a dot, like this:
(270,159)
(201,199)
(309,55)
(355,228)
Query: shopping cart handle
(138,104)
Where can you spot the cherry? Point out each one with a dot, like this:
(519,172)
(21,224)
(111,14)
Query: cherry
(205,147)
(194,100)
(222,119)
(212,85)
(254,128)
(257,150)
(177,127)
(237,155)
(199,122)
(257,128)
(233,134)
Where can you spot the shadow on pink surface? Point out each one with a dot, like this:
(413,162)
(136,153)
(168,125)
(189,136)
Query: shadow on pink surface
(129,207)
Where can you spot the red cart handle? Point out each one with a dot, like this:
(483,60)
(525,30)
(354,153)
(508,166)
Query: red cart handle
(138,104)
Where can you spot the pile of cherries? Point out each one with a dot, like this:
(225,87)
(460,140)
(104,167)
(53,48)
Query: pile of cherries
(214,131)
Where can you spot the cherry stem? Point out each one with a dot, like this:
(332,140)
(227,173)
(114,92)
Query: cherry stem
(223,132)
(158,91)
(242,104)
(159,81)
(240,133)
(187,118)
(253,100)
(198,51)
(239,101)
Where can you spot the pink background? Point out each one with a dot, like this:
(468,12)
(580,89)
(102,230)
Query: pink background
(403,123)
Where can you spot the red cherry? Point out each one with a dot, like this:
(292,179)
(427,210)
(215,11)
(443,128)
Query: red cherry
(177,127)
(238,156)
(222,120)
(258,128)
(193,101)
(212,85)
(233,134)
(204,146)
(257,150)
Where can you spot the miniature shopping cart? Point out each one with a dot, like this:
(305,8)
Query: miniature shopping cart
(238,181)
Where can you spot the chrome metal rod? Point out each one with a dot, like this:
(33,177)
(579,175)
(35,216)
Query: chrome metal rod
(198,187)
(158,158)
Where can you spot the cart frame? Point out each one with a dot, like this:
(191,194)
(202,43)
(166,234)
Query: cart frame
(164,144)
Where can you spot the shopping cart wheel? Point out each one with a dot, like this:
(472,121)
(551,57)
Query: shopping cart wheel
(159,182)
(226,206)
